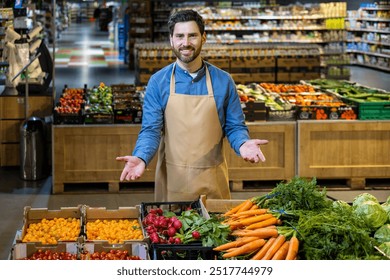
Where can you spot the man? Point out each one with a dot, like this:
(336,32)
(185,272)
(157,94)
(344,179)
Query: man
(189,107)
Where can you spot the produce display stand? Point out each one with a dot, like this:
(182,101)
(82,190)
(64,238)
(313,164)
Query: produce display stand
(351,150)
(86,154)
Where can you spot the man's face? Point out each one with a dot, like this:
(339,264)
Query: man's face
(187,41)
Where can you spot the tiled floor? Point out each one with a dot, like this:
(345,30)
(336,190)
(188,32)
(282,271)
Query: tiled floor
(80,45)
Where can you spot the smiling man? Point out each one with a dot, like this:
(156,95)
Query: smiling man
(190,106)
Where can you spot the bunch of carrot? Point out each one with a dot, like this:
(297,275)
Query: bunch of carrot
(256,235)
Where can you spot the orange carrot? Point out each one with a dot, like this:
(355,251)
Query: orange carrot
(265,223)
(236,243)
(236,208)
(293,248)
(254,207)
(250,220)
(274,247)
(260,254)
(260,233)
(246,206)
(251,212)
(281,253)
(245,249)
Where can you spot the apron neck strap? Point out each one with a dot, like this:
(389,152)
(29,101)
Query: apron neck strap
(208,82)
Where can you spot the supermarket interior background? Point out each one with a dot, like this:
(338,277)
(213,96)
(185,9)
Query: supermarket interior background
(86,51)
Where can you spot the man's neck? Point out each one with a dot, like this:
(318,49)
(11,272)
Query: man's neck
(191,67)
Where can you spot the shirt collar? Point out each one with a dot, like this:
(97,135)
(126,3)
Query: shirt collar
(201,72)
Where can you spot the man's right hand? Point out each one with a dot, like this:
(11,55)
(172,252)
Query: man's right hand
(134,168)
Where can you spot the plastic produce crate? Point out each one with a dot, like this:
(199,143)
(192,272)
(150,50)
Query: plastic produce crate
(373,110)
(280,115)
(192,251)
(182,252)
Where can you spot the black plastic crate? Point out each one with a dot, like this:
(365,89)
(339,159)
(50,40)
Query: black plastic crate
(182,252)
(71,118)
(191,251)
(177,207)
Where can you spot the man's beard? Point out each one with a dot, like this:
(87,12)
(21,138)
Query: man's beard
(186,59)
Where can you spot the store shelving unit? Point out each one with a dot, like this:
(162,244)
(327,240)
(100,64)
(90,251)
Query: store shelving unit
(6,19)
(368,36)
(251,23)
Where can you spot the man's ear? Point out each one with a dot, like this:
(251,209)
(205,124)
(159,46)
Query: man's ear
(204,38)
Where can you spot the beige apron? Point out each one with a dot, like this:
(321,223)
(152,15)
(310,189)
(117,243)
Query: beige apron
(191,161)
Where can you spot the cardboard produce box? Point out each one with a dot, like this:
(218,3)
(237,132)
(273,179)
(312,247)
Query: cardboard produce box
(119,222)
(134,248)
(69,250)
(42,225)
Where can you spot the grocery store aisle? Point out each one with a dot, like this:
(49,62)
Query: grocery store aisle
(85,56)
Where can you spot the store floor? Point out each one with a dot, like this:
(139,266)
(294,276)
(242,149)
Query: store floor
(85,56)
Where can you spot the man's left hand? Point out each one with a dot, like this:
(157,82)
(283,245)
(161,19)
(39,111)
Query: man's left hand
(250,150)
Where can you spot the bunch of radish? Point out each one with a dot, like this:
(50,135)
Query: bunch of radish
(162,229)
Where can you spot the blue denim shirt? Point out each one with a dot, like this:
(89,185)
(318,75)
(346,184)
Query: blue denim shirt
(156,97)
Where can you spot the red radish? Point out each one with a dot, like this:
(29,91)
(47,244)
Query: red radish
(177,224)
(196,234)
(154,237)
(177,240)
(171,231)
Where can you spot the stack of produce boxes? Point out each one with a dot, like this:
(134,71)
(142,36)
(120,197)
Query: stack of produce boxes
(49,234)
(127,103)
(98,109)
(81,233)
(312,104)
(372,103)
(260,104)
(70,106)
(114,231)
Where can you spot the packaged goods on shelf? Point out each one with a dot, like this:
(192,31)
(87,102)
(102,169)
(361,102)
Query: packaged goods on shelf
(246,63)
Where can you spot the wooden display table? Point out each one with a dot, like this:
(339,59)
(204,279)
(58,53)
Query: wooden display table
(86,154)
(352,150)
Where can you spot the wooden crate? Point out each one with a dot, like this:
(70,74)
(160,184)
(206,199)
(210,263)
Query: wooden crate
(264,62)
(219,205)
(353,150)
(85,154)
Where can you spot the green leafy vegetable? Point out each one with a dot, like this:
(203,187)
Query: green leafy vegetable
(334,234)
(363,197)
(296,194)
(386,207)
(211,232)
(383,234)
(371,213)
(385,248)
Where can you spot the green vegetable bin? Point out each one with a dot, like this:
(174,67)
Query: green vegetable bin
(374,110)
